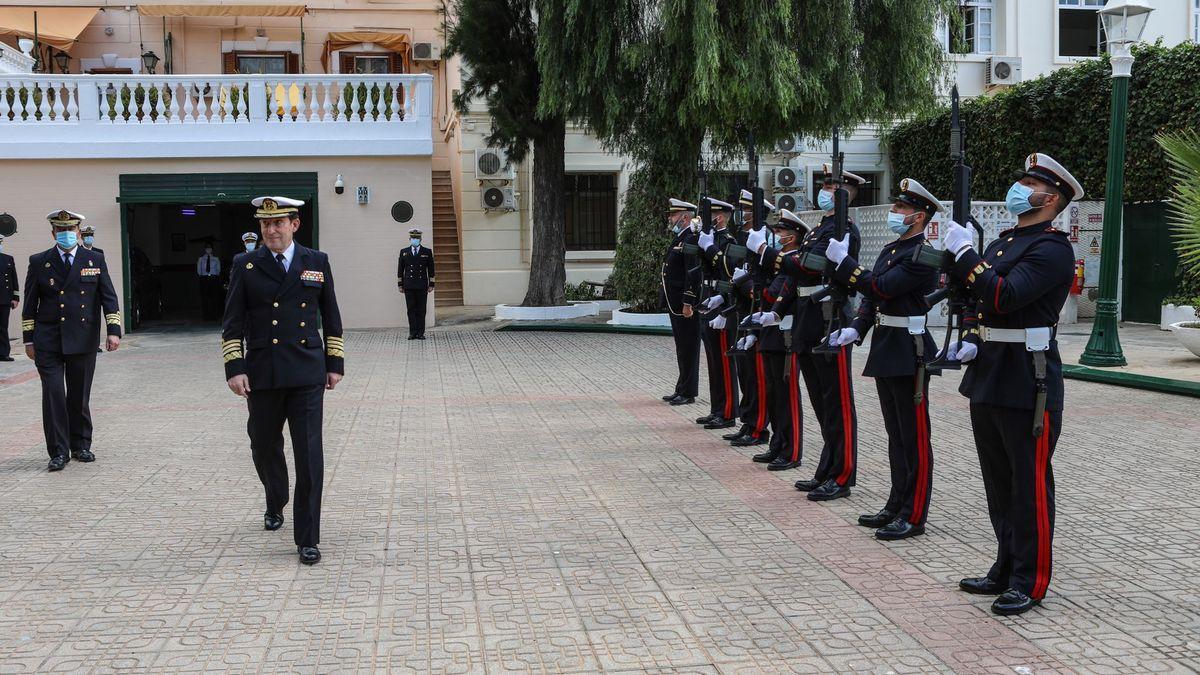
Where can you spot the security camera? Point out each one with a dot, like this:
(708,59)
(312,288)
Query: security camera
(339,185)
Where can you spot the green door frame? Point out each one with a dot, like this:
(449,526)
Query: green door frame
(191,188)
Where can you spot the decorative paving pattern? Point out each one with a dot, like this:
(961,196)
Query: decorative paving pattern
(502,502)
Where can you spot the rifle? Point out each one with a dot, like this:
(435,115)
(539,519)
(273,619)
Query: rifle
(958,299)
(758,220)
(837,293)
(691,250)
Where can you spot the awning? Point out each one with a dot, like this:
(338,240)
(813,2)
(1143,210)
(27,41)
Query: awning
(58,27)
(221,9)
(396,42)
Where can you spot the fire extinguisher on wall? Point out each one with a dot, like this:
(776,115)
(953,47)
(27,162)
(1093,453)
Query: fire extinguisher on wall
(1077,282)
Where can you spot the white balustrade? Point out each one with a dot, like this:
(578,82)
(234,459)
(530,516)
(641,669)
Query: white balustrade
(43,116)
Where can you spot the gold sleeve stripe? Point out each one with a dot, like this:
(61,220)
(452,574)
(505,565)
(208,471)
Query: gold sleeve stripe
(335,345)
(231,349)
(234,356)
(113,319)
(28,324)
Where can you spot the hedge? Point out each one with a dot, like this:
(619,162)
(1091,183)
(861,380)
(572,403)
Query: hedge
(1064,114)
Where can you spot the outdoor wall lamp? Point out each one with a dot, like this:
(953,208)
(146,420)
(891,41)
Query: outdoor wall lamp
(63,61)
(150,61)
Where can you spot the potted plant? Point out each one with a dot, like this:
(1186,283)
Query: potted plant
(1183,153)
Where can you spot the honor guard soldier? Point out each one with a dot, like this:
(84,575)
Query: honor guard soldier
(89,238)
(826,376)
(894,305)
(679,289)
(208,270)
(717,332)
(250,241)
(68,296)
(279,294)
(414,276)
(1014,375)
(10,297)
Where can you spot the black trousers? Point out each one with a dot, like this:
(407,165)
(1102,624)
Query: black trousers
(909,453)
(783,394)
(1019,483)
(5,346)
(831,390)
(722,371)
(210,297)
(416,299)
(752,380)
(301,408)
(686,333)
(66,393)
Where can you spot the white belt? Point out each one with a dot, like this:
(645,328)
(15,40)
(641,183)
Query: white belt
(806,291)
(914,324)
(1034,339)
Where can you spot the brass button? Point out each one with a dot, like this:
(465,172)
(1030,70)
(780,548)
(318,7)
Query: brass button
(893,251)
(301,340)
(274,322)
(82,319)
(82,292)
(274,341)
(64,292)
(275,305)
(1010,238)
(83,307)
(999,253)
(302,324)
(61,306)
(303,305)
(63,318)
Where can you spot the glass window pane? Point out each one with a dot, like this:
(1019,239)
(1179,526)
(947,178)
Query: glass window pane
(261,65)
(1077,33)
(371,65)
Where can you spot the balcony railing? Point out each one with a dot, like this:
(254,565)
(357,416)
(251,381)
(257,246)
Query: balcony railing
(94,116)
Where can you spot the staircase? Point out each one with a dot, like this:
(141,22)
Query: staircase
(447,258)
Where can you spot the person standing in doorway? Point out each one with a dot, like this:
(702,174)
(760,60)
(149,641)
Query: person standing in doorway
(10,297)
(208,269)
(414,276)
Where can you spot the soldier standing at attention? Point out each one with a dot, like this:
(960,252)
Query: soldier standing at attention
(717,333)
(414,276)
(1014,377)
(66,288)
(10,297)
(679,290)
(894,305)
(276,359)
(208,270)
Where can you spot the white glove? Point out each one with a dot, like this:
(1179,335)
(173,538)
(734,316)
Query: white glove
(768,319)
(717,323)
(696,224)
(843,337)
(739,273)
(965,352)
(714,302)
(957,238)
(837,251)
(706,239)
(757,239)
(747,342)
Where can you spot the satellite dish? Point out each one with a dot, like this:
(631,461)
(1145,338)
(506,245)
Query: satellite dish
(8,225)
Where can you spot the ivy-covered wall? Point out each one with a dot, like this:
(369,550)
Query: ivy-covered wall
(1065,115)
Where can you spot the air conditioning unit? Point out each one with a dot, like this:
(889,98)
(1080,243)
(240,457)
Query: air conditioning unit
(426,51)
(786,177)
(790,146)
(792,201)
(493,164)
(1002,71)
(498,198)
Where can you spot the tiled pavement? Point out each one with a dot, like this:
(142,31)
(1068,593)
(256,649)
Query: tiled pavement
(523,501)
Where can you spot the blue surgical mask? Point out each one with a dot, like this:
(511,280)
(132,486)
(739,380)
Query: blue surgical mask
(415,242)
(676,229)
(66,240)
(896,222)
(89,239)
(1017,201)
(250,246)
(825,200)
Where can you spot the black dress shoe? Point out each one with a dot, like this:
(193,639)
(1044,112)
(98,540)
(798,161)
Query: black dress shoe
(7,358)
(981,586)
(83,455)
(807,485)
(1013,602)
(743,431)
(878,520)
(765,457)
(828,491)
(748,440)
(421,336)
(899,529)
(682,400)
(309,555)
(412,337)
(720,423)
(57,463)
(782,464)
(706,419)
(670,396)
(272,521)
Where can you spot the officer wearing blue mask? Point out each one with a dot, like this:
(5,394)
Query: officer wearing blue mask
(10,297)
(679,288)
(250,241)
(68,296)
(88,232)
(894,305)
(1014,375)
(414,276)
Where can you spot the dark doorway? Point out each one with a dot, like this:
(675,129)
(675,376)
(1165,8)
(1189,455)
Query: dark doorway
(1148,262)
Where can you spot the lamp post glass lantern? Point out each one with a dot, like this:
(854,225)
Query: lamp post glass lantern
(1124,21)
(63,61)
(150,61)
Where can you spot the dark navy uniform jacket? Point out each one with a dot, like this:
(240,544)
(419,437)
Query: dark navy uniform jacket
(64,309)
(277,318)
(678,286)
(415,272)
(770,339)
(1022,281)
(10,289)
(895,286)
(809,326)
(720,267)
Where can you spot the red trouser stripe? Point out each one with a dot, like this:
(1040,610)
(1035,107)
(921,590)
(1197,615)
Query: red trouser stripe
(793,386)
(847,430)
(922,487)
(1042,582)
(760,424)
(996,300)
(726,376)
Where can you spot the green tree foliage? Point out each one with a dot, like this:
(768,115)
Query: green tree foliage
(1066,115)
(1183,155)
(655,79)
(497,41)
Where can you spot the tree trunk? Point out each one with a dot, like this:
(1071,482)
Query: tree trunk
(547,266)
